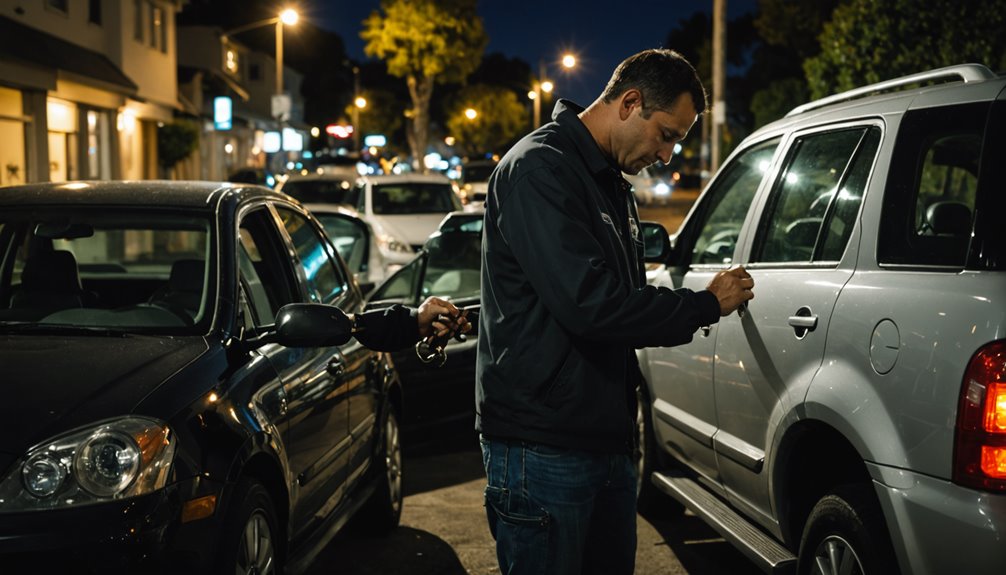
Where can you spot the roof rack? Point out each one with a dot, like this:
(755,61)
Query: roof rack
(964,72)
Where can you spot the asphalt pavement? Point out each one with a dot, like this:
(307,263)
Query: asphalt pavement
(444,531)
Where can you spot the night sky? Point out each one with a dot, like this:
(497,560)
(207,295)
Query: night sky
(600,32)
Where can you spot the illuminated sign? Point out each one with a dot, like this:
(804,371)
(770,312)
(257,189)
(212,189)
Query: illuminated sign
(222,113)
(375,141)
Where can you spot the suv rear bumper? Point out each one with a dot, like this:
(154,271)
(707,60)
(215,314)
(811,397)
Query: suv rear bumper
(938,527)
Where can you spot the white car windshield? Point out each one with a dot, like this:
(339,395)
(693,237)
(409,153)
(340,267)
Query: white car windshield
(414,198)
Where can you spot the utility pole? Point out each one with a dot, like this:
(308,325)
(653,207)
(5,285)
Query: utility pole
(719,81)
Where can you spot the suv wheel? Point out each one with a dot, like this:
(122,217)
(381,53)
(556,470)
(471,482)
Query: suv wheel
(382,512)
(249,532)
(845,534)
(649,499)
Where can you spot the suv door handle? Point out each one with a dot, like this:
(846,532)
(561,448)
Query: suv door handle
(336,367)
(804,321)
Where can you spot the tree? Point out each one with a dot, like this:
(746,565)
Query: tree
(427,42)
(382,115)
(868,41)
(175,142)
(501,119)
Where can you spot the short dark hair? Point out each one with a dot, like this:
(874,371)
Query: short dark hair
(660,75)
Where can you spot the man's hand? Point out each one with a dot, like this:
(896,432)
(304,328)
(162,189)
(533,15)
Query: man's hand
(732,288)
(438,317)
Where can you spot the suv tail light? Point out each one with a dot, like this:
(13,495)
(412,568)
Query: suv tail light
(980,446)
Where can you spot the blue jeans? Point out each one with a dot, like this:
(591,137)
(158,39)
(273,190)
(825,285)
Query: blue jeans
(556,511)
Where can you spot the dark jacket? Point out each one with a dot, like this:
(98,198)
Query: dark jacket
(564,297)
(390,329)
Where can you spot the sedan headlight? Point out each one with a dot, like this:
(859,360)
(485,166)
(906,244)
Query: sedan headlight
(390,244)
(115,459)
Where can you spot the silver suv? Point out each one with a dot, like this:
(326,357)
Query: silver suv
(852,419)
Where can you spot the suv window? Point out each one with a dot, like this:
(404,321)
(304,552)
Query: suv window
(325,280)
(729,202)
(930,197)
(819,188)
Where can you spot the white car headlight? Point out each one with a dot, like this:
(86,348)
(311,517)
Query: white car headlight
(391,244)
(114,459)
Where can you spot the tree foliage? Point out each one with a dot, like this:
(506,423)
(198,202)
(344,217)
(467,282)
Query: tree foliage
(501,119)
(869,41)
(426,42)
(176,141)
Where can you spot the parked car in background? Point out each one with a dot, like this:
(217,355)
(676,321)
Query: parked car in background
(318,187)
(852,419)
(653,185)
(475,180)
(259,176)
(177,397)
(438,396)
(355,241)
(403,210)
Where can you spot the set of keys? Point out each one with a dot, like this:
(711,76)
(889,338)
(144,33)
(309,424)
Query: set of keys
(433,348)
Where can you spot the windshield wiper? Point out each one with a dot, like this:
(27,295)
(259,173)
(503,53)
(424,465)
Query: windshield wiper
(57,328)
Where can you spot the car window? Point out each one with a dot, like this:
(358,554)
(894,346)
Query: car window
(817,167)
(318,191)
(728,203)
(350,238)
(454,265)
(324,275)
(264,267)
(414,198)
(402,285)
(930,197)
(109,267)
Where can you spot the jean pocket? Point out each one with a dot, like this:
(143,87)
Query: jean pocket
(542,450)
(515,511)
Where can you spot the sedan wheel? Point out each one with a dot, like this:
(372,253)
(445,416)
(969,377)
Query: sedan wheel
(248,543)
(382,512)
(256,552)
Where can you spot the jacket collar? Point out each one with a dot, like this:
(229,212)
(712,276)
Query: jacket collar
(566,114)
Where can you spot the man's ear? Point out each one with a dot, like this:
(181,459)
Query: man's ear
(629,100)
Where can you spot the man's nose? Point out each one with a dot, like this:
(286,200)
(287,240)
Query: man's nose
(665,154)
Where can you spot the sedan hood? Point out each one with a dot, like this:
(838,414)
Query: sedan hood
(413,229)
(50,384)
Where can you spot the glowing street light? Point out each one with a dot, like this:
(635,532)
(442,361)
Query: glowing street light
(471,113)
(542,85)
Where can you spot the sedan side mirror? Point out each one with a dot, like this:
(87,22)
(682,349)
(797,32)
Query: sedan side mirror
(312,325)
(656,242)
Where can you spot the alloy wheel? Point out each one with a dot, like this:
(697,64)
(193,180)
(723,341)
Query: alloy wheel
(834,556)
(256,552)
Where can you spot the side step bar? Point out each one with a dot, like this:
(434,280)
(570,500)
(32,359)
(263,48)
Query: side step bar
(769,555)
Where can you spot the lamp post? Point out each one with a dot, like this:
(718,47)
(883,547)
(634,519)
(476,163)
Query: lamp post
(287,17)
(544,86)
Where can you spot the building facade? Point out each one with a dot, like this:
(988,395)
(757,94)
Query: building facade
(83,87)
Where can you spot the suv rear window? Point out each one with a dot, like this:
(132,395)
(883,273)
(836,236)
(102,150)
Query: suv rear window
(931,190)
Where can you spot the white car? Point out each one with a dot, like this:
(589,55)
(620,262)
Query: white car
(475,181)
(404,209)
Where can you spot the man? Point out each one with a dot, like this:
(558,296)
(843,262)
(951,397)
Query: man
(564,305)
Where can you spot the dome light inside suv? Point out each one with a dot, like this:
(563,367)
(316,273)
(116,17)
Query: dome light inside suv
(980,450)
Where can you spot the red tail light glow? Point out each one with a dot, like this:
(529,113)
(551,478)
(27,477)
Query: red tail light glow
(980,446)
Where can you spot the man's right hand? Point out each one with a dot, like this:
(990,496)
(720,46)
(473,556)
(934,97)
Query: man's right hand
(732,288)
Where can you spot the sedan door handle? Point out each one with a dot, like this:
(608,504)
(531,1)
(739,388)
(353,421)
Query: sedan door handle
(336,367)
(804,321)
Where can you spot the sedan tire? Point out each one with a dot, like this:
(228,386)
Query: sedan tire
(383,511)
(248,543)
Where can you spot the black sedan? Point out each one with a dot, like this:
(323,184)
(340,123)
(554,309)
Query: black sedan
(165,407)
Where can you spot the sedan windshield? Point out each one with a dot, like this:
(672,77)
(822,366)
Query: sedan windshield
(414,198)
(137,270)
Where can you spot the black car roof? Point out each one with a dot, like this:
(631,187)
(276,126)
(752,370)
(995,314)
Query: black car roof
(154,193)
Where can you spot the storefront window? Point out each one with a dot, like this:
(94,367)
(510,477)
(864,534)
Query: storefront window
(12,152)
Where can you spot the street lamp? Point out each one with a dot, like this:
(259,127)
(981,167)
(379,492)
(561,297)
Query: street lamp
(543,86)
(358,104)
(288,17)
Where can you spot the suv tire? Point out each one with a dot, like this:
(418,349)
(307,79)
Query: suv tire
(845,533)
(649,458)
